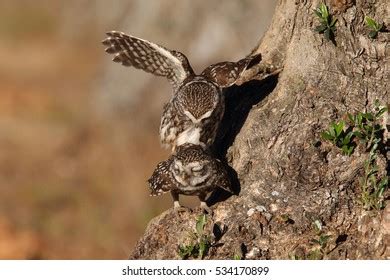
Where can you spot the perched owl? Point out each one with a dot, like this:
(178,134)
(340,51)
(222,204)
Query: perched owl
(197,104)
(191,171)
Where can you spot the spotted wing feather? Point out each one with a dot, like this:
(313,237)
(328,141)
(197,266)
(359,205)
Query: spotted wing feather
(225,74)
(147,56)
(161,180)
(223,179)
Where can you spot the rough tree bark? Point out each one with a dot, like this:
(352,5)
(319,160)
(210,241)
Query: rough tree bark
(289,178)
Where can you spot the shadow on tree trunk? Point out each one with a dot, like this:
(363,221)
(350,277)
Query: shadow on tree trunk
(239,101)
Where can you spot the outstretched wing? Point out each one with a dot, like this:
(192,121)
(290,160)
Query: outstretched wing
(148,56)
(225,74)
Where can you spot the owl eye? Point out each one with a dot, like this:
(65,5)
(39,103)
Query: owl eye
(176,169)
(197,168)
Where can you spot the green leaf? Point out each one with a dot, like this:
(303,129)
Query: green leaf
(372,172)
(317,225)
(370,22)
(320,28)
(368,128)
(373,25)
(350,135)
(324,11)
(339,127)
(347,150)
(345,141)
(202,248)
(325,135)
(372,179)
(368,116)
(347,138)
(382,186)
(380,192)
(200,223)
(359,118)
(314,255)
(381,112)
(359,135)
(374,147)
(332,130)
(332,24)
(384,182)
(314,241)
(327,34)
(372,153)
(317,12)
(323,240)
(373,34)
(185,251)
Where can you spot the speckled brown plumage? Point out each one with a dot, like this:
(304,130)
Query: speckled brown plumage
(191,171)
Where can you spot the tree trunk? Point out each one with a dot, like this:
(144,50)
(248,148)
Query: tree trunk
(300,197)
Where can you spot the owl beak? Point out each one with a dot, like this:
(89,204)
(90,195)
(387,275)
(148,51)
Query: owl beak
(185,176)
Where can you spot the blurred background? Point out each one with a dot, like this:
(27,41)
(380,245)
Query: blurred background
(79,133)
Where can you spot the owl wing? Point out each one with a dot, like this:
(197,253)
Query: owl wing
(223,179)
(148,56)
(161,182)
(225,74)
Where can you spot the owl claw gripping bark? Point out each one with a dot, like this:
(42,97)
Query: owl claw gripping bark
(176,205)
(191,171)
(205,208)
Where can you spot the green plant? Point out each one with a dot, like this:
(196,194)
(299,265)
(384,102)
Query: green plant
(374,27)
(372,186)
(293,256)
(367,127)
(340,136)
(327,23)
(200,242)
(320,243)
(315,254)
(368,131)
(186,251)
(322,240)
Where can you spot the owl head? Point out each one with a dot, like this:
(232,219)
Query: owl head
(190,171)
(191,166)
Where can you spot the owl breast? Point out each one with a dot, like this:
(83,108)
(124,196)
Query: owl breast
(193,114)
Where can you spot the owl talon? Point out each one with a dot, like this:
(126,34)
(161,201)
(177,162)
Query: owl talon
(176,204)
(180,209)
(205,208)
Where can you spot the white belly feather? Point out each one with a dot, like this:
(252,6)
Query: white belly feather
(190,135)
